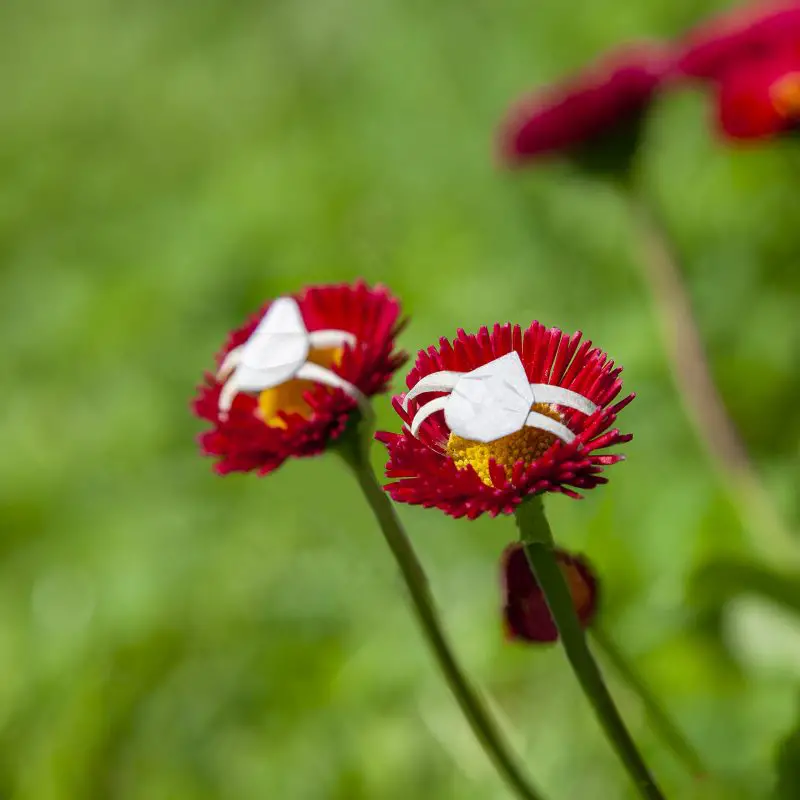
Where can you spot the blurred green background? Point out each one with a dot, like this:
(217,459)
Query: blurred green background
(166,634)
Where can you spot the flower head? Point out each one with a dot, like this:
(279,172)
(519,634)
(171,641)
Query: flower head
(291,377)
(594,116)
(752,57)
(525,613)
(495,417)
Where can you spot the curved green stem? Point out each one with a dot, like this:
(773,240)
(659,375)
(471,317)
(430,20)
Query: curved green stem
(538,541)
(662,724)
(472,706)
(691,372)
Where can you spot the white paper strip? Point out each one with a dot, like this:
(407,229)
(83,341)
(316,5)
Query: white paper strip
(547,393)
(329,339)
(318,374)
(435,382)
(543,422)
(437,404)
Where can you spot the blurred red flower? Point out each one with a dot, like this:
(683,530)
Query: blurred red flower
(596,113)
(752,57)
(526,616)
(300,417)
(464,477)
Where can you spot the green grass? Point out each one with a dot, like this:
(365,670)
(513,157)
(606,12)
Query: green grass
(166,634)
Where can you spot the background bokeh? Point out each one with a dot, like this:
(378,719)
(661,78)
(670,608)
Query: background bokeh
(166,634)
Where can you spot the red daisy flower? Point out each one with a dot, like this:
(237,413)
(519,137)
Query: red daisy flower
(530,417)
(526,615)
(291,377)
(598,110)
(751,33)
(753,58)
(760,100)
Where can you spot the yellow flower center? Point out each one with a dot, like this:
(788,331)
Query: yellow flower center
(785,95)
(288,397)
(525,445)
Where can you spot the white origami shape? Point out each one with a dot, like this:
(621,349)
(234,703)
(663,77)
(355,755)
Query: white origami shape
(277,352)
(493,401)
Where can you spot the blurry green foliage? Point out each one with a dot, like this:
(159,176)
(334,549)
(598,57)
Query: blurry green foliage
(719,580)
(169,635)
(788,766)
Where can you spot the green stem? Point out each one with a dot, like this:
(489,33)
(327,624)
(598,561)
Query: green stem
(693,378)
(538,541)
(473,708)
(661,722)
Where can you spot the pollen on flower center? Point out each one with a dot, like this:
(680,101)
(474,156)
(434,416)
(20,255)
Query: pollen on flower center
(785,95)
(526,445)
(288,397)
